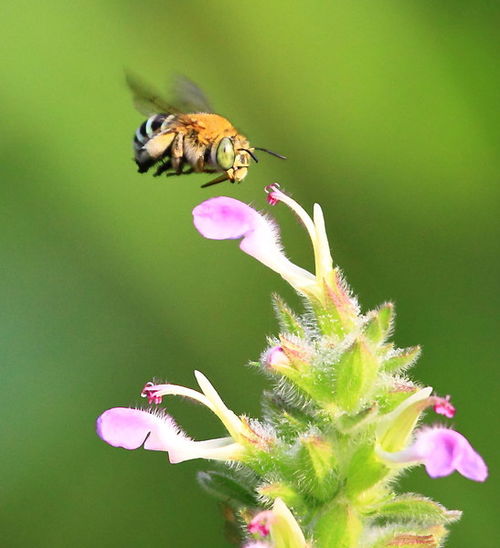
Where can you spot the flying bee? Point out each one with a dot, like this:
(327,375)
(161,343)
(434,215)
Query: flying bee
(188,137)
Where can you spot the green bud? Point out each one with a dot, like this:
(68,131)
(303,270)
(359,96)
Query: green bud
(226,489)
(339,526)
(416,509)
(379,324)
(356,373)
(401,359)
(288,320)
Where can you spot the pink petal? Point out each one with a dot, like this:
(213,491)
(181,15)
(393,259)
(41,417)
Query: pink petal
(275,357)
(132,428)
(156,431)
(224,218)
(443,450)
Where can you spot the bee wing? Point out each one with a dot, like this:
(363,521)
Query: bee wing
(186,96)
(146,99)
(189,97)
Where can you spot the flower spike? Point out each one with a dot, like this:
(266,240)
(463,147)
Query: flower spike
(340,423)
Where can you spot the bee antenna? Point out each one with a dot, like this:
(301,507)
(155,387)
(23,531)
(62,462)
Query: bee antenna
(215,181)
(251,154)
(270,152)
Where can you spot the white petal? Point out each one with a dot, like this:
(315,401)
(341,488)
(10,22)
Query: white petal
(228,418)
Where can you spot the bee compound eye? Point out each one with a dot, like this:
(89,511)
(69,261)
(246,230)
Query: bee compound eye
(225,153)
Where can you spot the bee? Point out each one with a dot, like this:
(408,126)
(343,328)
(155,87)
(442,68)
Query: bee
(188,137)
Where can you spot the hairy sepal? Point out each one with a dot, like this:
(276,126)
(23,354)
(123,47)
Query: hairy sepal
(380,323)
(405,536)
(356,373)
(339,526)
(289,322)
(416,509)
(401,359)
(288,494)
(317,467)
(364,471)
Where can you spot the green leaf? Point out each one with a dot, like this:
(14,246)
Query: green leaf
(401,359)
(380,322)
(226,489)
(356,373)
(338,527)
(288,320)
(415,508)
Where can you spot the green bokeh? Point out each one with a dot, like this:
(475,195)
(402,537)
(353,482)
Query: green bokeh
(387,112)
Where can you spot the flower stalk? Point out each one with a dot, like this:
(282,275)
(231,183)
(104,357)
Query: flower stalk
(339,426)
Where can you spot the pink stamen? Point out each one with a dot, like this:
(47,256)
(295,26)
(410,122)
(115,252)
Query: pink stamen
(149,391)
(272,198)
(443,406)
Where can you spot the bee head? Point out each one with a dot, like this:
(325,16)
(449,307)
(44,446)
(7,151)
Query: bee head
(234,161)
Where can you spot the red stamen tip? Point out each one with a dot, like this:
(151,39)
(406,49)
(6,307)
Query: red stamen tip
(272,199)
(443,406)
(150,392)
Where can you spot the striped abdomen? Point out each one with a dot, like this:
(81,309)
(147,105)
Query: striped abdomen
(147,130)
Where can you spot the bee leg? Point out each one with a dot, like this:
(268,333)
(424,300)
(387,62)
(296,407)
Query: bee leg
(164,166)
(187,172)
(200,164)
(177,153)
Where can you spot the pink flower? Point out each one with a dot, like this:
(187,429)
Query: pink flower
(224,218)
(157,431)
(442,451)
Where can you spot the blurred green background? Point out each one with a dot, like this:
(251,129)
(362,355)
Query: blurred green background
(387,113)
